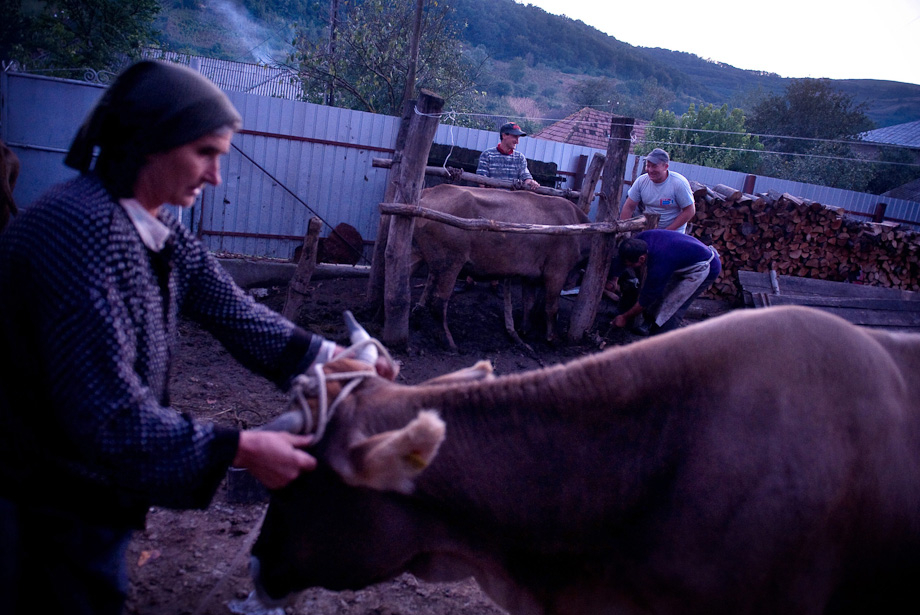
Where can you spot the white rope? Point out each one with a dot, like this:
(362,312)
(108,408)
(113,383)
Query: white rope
(313,384)
(451,137)
(419,112)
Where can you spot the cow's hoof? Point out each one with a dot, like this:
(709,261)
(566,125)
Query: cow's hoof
(462,287)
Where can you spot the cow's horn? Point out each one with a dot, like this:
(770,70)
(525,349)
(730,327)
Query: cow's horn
(291,421)
(358,335)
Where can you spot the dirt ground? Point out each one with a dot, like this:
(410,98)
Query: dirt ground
(195,562)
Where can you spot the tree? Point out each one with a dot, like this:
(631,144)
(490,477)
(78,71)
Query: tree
(368,64)
(805,130)
(642,99)
(600,94)
(96,34)
(708,137)
(810,109)
(896,166)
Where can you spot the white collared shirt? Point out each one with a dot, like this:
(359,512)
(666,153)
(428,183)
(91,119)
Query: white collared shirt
(152,232)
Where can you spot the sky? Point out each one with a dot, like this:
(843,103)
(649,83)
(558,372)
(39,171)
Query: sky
(848,39)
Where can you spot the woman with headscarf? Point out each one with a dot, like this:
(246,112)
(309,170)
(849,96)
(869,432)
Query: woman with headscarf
(92,278)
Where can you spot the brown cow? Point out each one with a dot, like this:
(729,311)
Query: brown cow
(544,259)
(762,462)
(9,173)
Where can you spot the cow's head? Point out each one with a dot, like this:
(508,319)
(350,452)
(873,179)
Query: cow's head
(319,519)
(352,522)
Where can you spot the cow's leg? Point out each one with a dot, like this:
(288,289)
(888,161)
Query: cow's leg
(426,292)
(509,317)
(447,335)
(443,288)
(553,286)
(528,300)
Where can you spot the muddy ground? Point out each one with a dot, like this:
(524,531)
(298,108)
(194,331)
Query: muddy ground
(195,562)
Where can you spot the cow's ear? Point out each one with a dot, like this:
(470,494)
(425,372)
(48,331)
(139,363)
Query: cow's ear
(482,370)
(391,460)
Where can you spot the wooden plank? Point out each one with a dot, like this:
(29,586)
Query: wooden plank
(861,303)
(901,319)
(758,300)
(482,224)
(752,281)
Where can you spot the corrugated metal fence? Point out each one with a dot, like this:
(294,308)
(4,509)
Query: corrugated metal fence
(293,160)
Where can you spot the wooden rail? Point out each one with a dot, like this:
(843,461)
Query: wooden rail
(482,224)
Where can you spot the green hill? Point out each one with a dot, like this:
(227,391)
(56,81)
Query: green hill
(577,51)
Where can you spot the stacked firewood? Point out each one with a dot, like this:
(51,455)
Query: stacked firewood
(800,237)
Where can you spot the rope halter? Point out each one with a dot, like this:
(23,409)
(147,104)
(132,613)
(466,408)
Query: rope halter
(313,384)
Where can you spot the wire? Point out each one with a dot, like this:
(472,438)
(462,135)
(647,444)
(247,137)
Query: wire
(773,152)
(649,126)
(727,148)
(280,183)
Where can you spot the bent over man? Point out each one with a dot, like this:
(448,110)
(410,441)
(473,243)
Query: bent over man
(674,269)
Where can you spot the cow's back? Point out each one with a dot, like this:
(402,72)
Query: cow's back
(503,205)
(763,462)
(498,254)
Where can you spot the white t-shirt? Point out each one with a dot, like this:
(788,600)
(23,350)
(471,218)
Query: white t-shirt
(666,199)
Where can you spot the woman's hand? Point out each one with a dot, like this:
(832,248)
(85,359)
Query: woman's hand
(275,458)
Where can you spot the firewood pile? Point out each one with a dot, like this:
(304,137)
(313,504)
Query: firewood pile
(799,237)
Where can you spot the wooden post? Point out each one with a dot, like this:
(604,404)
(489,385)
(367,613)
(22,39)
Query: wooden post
(879,215)
(590,182)
(375,282)
(592,286)
(397,290)
(298,288)
(749,181)
(580,167)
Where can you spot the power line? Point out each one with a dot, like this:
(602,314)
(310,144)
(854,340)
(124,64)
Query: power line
(650,126)
(802,155)
(728,148)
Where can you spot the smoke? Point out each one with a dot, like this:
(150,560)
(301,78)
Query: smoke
(260,42)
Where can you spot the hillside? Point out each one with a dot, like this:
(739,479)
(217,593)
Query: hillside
(248,30)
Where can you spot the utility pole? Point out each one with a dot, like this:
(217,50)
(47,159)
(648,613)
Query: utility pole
(409,91)
(330,49)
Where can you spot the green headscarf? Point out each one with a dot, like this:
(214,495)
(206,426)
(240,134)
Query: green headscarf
(151,107)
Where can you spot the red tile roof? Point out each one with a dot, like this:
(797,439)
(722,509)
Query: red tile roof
(587,127)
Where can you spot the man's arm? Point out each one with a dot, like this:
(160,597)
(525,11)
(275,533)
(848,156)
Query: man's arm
(686,214)
(529,182)
(629,208)
(623,319)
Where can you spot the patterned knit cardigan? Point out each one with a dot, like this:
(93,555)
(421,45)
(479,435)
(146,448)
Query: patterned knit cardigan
(87,326)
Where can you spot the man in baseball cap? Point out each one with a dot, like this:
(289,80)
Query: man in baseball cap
(503,162)
(662,192)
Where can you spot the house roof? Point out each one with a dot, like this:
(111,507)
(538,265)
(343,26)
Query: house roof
(239,76)
(905,135)
(587,127)
(909,191)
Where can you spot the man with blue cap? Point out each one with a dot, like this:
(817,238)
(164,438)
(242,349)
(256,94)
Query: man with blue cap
(662,192)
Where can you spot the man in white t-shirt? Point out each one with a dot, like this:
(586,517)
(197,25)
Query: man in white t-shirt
(663,192)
